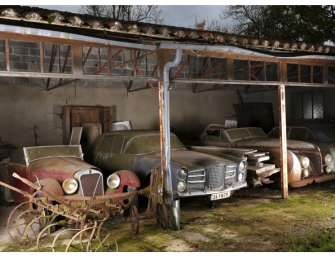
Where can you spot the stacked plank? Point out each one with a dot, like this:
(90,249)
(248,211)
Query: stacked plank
(258,171)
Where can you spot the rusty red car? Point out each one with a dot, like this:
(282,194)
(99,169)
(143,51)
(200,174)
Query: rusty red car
(304,159)
(62,170)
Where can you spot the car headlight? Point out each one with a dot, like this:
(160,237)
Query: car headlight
(328,159)
(306,173)
(113,181)
(328,169)
(240,177)
(181,186)
(182,173)
(70,186)
(305,162)
(241,166)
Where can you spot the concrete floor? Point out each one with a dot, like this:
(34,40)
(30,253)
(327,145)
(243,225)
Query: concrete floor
(4,237)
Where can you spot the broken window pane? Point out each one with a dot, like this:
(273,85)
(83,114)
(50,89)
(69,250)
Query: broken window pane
(292,73)
(241,70)
(272,71)
(257,70)
(305,74)
(318,74)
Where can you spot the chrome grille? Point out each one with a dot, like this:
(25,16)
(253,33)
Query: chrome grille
(315,161)
(197,176)
(230,172)
(216,177)
(90,182)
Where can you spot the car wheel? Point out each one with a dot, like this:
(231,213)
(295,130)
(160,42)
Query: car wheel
(174,214)
(46,213)
(276,181)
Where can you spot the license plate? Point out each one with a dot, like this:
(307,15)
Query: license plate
(220,195)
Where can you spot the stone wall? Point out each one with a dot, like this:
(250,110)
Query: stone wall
(31,116)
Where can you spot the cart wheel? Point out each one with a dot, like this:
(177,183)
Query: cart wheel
(92,217)
(25,222)
(162,216)
(90,244)
(134,219)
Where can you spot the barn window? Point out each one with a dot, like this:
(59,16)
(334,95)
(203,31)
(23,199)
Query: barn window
(307,105)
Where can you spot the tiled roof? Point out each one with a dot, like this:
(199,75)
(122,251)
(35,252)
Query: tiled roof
(152,31)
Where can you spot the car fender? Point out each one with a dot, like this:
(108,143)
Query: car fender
(128,178)
(295,173)
(51,185)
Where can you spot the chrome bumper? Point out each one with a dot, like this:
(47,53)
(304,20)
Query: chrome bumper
(207,192)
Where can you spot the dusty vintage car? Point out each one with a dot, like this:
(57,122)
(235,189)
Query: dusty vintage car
(62,170)
(192,174)
(321,139)
(304,160)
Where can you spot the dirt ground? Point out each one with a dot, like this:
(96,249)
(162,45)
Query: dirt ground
(252,220)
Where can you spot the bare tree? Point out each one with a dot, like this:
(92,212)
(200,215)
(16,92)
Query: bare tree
(143,13)
(309,23)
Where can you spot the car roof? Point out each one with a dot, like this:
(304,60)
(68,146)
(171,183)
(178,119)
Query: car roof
(215,127)
(133,133)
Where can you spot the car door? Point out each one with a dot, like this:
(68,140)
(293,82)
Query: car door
(119,160)
(104,154)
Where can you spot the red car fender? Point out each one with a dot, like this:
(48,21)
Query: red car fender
(52,186)
(128,178)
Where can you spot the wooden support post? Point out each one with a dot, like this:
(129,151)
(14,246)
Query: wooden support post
(161,120)
(283,142)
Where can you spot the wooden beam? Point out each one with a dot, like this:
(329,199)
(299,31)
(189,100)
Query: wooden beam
(283,142)
(7,55)
(77,59)
(42,57)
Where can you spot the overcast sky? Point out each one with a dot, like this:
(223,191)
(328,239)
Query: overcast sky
(174,15)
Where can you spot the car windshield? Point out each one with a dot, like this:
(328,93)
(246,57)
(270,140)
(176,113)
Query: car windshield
(293,133)
(150,143)
(244,133)
(36,153)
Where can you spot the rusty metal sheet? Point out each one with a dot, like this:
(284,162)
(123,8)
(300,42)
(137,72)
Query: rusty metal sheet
(316,179)
(59,168)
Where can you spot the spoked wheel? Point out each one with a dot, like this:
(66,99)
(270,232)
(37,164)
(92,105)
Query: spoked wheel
(134,219)
(162,216)
(26,221)
(96,216)
(99,239)
(50,243)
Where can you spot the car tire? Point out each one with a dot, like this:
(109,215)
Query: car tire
(46,213)
(276,181)
(174,214)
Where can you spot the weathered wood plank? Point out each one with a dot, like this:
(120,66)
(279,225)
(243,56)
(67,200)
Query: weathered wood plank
(258,159)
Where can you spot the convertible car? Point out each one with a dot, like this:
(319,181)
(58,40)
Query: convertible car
(321,139)
(192,173)
(304,159)
(62,170)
